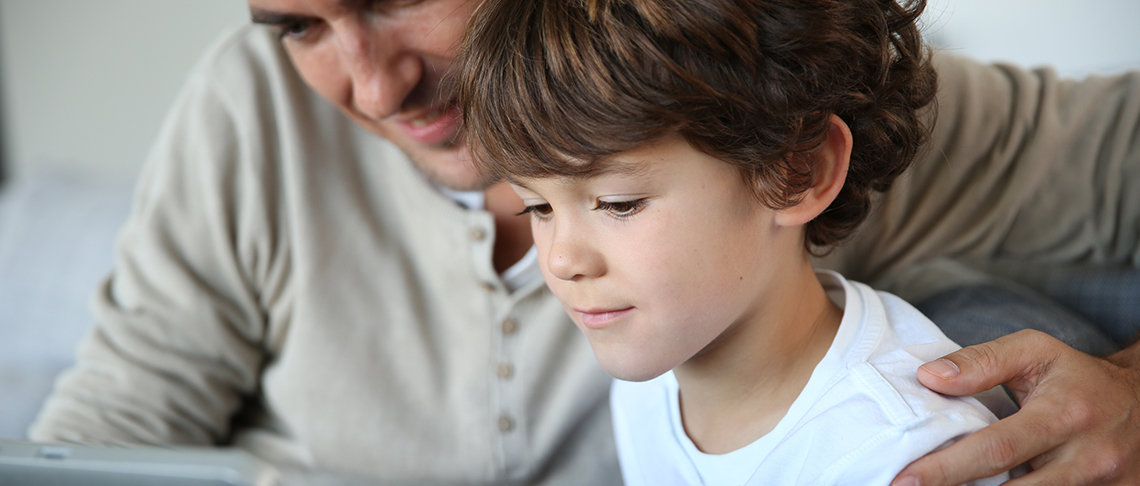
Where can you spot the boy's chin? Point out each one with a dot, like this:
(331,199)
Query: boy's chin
(630,366)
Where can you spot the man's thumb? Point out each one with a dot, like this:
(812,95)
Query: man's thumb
(978,368)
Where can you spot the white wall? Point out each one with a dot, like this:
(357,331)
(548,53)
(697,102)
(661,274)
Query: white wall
(1078,37)
(87,82)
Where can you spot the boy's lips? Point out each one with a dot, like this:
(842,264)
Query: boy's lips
(600,318)
(434,127)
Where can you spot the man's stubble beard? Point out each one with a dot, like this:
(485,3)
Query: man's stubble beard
(433,161)
(464,174)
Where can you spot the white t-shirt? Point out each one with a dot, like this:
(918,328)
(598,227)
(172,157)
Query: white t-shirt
(861,418)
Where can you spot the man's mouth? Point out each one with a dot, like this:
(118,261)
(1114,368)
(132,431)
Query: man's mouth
(437,127)
(430,117)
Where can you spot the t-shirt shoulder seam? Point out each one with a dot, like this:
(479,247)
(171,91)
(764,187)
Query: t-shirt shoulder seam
(887,397)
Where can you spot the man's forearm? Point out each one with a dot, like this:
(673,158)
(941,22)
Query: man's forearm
(1128,357)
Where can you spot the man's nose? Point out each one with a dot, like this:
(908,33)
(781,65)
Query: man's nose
(572,256)
(381,76)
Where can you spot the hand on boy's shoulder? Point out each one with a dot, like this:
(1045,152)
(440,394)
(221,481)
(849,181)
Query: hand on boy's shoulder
(1079,422)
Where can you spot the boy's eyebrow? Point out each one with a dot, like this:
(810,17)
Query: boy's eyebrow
(597,169)
(625,168)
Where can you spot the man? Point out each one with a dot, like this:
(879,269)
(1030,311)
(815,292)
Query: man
(291,284)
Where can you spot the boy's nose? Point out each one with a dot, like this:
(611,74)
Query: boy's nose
(572,258)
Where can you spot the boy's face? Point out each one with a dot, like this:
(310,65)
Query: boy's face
(659,256)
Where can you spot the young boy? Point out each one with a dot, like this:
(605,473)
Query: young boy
(681,161)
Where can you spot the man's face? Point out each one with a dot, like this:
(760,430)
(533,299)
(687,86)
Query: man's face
(382,62)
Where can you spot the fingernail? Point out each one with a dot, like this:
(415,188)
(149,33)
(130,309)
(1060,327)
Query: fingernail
(906,481)
(942,368)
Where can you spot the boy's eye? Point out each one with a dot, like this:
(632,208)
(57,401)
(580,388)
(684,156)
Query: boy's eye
(538,211)
(621,209)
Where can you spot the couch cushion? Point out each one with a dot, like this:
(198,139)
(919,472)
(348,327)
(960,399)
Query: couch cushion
(56,239)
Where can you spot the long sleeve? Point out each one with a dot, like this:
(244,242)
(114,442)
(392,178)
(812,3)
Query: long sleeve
(292,285)
(1022,165)
(180,333)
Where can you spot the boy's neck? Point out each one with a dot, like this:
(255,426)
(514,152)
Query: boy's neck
(737,389)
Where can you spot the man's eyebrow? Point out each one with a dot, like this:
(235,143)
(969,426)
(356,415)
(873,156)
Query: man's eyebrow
(269,17)
(262,16)
(358,5)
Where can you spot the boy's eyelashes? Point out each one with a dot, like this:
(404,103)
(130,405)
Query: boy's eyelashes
(618,209)
(621,209)
(537,210)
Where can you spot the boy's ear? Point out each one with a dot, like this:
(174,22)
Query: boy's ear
(831,162)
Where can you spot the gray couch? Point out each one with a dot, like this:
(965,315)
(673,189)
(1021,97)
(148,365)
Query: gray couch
(56,240)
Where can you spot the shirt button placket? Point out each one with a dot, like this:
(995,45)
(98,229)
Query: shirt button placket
(510,325)
(505,371)
(506,424)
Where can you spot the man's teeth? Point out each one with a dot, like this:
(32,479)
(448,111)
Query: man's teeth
(430,117)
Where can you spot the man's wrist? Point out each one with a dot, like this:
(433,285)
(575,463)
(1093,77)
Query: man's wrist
(1128,357)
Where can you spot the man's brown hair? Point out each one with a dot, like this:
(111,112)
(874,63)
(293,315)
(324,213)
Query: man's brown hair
(547,87)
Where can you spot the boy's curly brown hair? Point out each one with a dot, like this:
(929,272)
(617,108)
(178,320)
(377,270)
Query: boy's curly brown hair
(549,86)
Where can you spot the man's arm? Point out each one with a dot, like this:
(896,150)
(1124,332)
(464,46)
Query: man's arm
(1022,166)
(1079,422)
(178,343)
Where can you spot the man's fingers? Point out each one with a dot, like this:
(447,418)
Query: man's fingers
(1079,423)
(988,452)
(980,367)
(1096,464)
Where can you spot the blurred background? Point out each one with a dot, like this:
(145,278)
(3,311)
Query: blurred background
(86,83)
(84,87)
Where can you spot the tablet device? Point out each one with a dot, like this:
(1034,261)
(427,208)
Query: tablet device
(67,465)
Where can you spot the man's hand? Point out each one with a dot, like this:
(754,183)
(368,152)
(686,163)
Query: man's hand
(1079,421)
